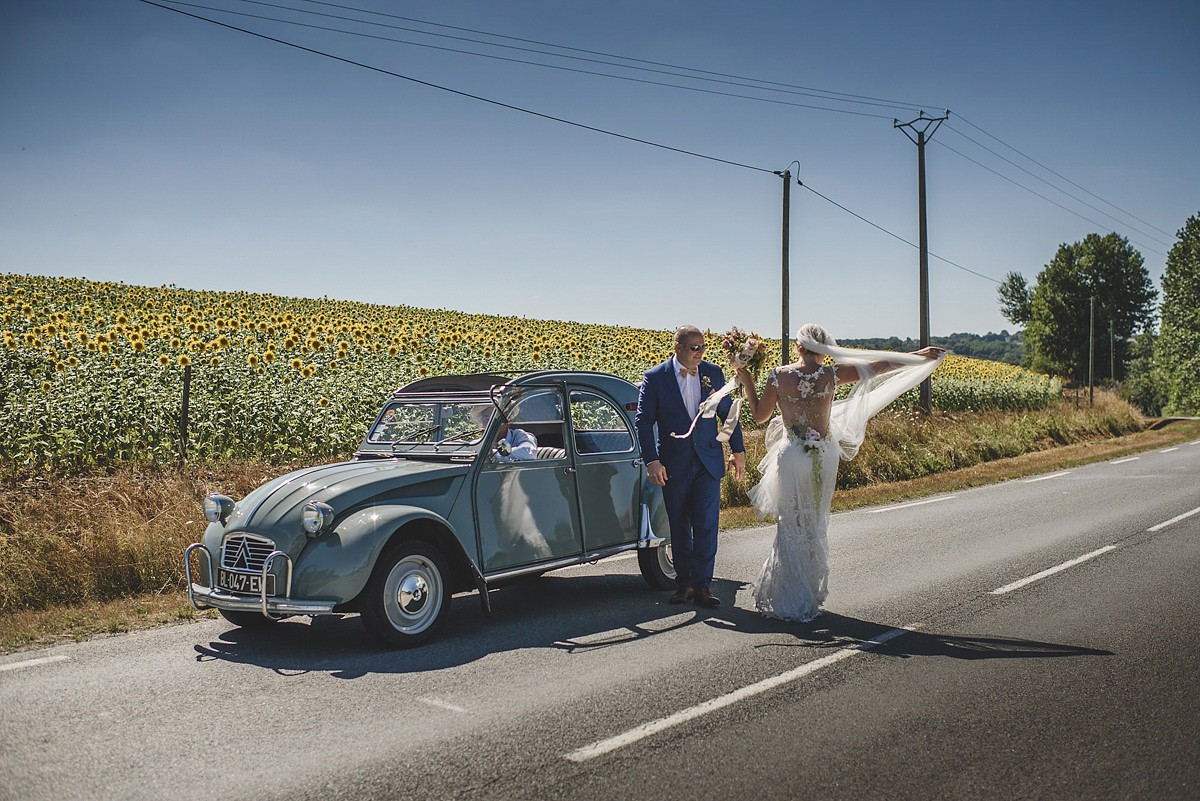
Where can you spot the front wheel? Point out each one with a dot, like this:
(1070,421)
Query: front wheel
(657,566)
(406,599)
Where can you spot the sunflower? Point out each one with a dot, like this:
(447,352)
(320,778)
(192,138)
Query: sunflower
(184,361)
(163,360)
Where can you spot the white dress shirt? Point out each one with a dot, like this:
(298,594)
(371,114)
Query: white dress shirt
(689,387)
(524,446)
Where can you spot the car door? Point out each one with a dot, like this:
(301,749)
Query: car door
(527,510)
(608,470)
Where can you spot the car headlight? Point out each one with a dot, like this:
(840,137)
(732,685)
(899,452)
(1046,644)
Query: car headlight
(316,517)
(217,507)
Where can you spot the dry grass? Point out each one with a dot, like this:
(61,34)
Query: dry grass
(101,553)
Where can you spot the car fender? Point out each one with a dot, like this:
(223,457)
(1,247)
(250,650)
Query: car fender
(337,564)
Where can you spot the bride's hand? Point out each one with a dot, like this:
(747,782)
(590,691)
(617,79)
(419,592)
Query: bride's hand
(744,377)
(932,352)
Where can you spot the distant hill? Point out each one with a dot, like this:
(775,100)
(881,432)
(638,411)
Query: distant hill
(1002,347)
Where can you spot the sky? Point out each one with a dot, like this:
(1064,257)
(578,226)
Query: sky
(144,146)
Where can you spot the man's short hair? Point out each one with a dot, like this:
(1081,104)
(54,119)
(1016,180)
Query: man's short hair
(687,331)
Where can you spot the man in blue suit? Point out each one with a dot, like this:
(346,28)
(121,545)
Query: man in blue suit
(689,469)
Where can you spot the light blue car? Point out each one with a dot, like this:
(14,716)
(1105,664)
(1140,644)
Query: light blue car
(462,482)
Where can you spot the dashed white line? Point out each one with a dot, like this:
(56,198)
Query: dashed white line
(1016,585)
(42,660)
(1168,450)
(906,505)
(1174,520)
(602,747)
(442,704)
(1043,478)
(1127,459)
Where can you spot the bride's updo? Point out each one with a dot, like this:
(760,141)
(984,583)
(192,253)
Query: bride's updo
(813,333)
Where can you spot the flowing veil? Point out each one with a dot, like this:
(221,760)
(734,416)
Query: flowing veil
(870,395)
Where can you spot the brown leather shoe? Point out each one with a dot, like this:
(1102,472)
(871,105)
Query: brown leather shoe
(681,595)
(704,597)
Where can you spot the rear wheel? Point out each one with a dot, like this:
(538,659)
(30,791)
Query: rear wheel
(657,566)
(247,620)
(406,599)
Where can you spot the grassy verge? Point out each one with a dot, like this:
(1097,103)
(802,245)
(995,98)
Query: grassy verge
(96,554)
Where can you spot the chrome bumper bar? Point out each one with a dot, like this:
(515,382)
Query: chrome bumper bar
(273,607)
(646,537)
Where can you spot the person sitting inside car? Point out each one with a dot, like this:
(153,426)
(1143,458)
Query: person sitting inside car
(515,444)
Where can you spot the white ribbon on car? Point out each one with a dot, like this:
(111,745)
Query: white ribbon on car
(708,408)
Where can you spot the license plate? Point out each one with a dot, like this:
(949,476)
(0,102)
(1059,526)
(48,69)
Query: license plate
(247,583)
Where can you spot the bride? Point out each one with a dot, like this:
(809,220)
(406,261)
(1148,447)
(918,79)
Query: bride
(804,444)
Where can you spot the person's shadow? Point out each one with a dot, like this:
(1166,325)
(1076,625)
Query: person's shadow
(552,611)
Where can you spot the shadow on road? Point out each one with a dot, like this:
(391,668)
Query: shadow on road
(834,631)
(576,614)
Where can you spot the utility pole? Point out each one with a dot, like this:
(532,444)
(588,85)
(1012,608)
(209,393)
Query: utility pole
(924,128)
(786,175)
(1091,350)
(1112,353)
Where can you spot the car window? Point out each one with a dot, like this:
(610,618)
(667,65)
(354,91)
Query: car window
(543,406)
(597,426)
(406,422)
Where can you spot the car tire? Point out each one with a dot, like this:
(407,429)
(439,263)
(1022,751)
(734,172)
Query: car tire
(248,620)
(407,596)
(657,567)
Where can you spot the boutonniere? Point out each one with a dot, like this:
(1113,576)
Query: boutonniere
(706,382)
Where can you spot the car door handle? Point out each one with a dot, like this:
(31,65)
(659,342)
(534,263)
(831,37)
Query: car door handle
(637,462)
(569,469)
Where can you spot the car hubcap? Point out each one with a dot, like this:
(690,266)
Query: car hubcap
(666,560)
(415,594)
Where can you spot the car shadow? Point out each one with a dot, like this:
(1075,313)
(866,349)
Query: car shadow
(553,610)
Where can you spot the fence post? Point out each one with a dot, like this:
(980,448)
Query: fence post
(183,414)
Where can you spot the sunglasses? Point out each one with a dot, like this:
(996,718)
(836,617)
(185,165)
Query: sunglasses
(695,348)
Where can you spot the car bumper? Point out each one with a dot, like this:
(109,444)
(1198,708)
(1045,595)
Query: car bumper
(203,597)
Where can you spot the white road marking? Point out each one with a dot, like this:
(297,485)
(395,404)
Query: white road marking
(442,704)
(1174,520)
(602,747)
(907,505)
(1168,450)
(1016,585)
(41,660)
(1127,459)
(1043,478)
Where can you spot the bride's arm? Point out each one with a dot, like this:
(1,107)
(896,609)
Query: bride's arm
(762,408)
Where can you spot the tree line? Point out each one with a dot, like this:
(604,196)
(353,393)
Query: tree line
(1091,315)
(1001,347)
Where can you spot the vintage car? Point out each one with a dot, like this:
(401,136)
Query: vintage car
(437,502)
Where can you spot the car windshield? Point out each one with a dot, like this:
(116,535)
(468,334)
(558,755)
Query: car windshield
(454,423)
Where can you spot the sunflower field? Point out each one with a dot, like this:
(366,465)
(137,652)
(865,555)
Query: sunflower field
(91,373)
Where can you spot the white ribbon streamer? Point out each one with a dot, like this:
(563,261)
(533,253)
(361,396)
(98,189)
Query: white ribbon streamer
(708,408)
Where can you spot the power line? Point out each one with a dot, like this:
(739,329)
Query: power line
(456,91)
(560,67)
(1039,194)
(825,92)
(1052,186)
(1068,180)
(551,118)
(889,233)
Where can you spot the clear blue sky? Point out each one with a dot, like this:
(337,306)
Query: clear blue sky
(142,146)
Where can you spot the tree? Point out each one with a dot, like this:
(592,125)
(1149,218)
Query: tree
(1177,349)
(1057,311)
(1145,384)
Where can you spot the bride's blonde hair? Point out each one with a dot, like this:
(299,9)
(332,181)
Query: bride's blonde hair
(815,333)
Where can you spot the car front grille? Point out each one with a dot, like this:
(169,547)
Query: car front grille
(245,552)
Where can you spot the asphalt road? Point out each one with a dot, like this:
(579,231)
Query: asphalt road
(940,670)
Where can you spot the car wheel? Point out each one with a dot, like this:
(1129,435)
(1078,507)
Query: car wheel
(248,620)
(658,568)
(408,595)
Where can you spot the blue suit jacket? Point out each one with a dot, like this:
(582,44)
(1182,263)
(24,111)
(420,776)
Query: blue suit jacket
(659,402)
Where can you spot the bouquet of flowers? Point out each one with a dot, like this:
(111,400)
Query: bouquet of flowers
(744,350)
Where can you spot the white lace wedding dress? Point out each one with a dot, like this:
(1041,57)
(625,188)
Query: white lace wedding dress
(799,473)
